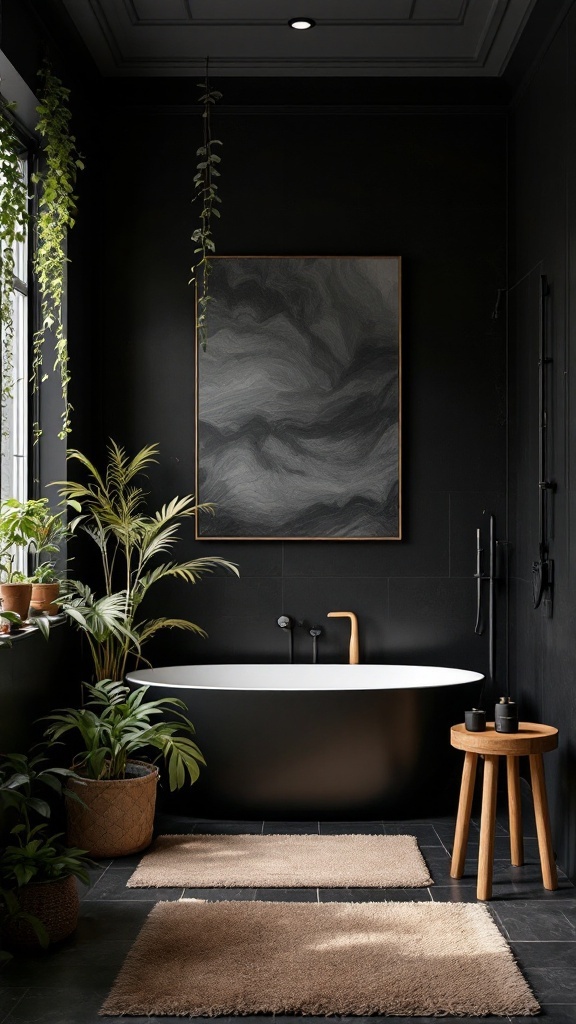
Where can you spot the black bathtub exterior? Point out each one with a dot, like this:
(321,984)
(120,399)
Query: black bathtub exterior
(341,755)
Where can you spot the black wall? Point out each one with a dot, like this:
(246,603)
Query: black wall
(427,185)
(543,241)
(335,175)
(36,677)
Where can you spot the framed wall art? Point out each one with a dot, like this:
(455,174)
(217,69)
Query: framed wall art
(298,399)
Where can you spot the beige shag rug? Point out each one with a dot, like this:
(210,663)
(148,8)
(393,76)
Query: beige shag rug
(203,861)
(196,958)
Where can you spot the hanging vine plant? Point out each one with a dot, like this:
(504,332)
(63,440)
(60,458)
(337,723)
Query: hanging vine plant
(207,194)
(56,180)
(13,221)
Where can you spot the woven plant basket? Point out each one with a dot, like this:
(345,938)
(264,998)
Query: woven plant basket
(118,816)
(56,904)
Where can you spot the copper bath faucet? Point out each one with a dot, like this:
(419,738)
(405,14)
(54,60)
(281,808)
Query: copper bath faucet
(353,660)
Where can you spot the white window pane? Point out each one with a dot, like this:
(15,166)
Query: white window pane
(14,454)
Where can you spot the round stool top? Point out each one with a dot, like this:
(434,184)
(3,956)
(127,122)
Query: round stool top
(531,738)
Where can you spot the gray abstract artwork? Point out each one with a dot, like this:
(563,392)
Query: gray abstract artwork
(298,399)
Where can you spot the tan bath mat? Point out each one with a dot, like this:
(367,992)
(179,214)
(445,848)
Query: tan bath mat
(203,861)
(197,958)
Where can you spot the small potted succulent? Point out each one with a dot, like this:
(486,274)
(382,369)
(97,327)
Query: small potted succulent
(39,901)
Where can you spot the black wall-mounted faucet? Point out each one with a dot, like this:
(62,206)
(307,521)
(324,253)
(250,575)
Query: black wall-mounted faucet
(315,632)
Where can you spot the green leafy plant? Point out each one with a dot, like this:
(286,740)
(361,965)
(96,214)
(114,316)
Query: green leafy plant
(13,221)
(130,541)
(29,850)
(45,573)
(32,525)
(56,181)
(116,724)
(36,855)
(27,782)
(206,188)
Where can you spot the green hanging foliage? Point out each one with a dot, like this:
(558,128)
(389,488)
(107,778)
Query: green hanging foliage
(56,215)
(13,221)
(206,188)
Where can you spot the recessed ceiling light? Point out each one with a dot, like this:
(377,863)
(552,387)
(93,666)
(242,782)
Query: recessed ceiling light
(301,23)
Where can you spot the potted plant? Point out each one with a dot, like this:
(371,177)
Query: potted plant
(46,585)
(118,792)
(131,543)
(39,901)
(48,538)
(16,519)
(31,525)
(115,725)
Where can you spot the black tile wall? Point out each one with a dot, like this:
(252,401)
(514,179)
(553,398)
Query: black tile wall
(446,219)
(543,237)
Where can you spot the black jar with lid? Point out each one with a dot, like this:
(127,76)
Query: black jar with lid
(475,720)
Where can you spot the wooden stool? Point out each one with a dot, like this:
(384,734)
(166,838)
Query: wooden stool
(531,739)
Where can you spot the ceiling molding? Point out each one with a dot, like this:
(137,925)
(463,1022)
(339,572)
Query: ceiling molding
(141,38)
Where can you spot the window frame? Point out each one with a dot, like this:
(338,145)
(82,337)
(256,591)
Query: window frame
(15,464)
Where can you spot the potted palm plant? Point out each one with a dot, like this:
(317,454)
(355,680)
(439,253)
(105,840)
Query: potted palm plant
(131,543)
(39,901)
(134,546)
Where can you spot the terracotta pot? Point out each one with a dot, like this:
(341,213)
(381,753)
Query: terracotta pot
(118,814)
(16,597)
(44,597)
(56,904)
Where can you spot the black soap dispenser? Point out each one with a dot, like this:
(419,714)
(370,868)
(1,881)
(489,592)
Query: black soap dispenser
(506,715)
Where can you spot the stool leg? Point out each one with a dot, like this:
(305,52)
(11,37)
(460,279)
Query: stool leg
(549,875)
(515,811)
(463,818)
(487,827)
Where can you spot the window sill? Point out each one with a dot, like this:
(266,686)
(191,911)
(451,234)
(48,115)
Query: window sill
(7,639)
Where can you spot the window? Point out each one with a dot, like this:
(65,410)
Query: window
(14,464)
(15,429)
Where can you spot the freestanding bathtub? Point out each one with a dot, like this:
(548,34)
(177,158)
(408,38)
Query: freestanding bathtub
(329,742)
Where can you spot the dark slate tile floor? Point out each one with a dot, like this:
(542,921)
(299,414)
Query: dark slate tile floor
(68,984)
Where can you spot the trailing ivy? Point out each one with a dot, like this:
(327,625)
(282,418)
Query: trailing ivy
(13,221)
(207,194)
(56,180)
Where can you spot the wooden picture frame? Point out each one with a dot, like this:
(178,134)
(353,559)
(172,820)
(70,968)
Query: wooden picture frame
(298,399)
